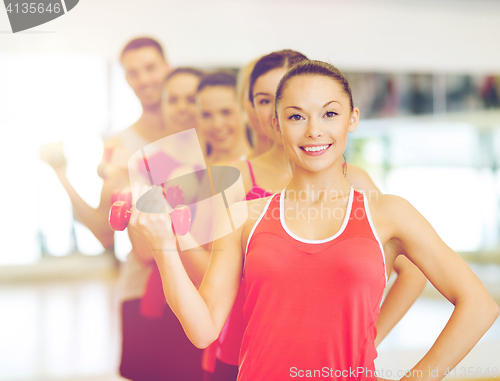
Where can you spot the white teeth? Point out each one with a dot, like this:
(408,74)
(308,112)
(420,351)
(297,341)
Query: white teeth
(315,149)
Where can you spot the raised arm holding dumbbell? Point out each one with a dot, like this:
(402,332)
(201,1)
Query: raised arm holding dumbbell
(93,218)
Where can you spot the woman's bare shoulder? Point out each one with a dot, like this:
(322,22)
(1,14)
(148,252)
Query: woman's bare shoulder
(393,213)
(248,211)
(244,214)
(388,204)
(359,178)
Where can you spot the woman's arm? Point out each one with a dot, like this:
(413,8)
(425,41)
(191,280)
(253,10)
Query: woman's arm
(475,310)
(194,260)
(402,294)
(95,219)
(202,312)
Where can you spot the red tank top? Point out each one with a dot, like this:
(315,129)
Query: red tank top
(229,342)
(312,305)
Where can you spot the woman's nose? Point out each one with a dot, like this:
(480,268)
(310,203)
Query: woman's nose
(314,129)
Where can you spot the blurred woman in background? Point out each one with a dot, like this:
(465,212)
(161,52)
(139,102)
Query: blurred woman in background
(220,118)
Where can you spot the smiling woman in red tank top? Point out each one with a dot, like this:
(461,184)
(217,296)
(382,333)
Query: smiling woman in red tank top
(271,170)
(312,256)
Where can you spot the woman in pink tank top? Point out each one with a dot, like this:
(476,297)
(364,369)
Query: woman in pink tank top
(312,259)
(220,122)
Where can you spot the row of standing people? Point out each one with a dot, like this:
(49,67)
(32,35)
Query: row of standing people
(179,100)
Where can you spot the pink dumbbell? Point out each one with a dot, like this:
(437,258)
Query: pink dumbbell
(119,214)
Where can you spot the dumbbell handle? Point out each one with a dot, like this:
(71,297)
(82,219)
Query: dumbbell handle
(122,196)
(119,217)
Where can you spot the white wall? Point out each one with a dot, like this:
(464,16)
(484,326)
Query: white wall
(430,36)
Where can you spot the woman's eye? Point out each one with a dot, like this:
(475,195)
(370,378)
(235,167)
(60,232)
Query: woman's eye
(295,117)
(264,101)
(330,114)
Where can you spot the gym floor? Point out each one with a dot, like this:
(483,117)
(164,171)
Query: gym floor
(68,329)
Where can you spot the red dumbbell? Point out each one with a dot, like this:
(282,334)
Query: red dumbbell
(119,214)
(174,196)
(122,196)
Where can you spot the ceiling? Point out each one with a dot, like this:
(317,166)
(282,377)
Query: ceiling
(389,35)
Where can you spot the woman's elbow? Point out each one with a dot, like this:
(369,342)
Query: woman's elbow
(494,310)
(489,314)
(202,341)
(487,308)
(200,344)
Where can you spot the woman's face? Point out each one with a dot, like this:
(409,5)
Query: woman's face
(314,116)
(264,91)
(178,107)
(219,117)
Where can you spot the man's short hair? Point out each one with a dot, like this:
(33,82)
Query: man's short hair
(142,42)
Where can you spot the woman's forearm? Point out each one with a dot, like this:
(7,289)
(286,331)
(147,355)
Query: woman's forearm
(201,313)
(469,321)
(195,259)
(183,297)
(403,293)
(140,247)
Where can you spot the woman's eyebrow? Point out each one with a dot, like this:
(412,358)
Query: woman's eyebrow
(255,95)
(298,108)
(295,107)
(327,103)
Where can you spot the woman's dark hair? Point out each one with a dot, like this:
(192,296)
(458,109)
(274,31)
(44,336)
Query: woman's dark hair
(184,70)
(282,59)
(218,78)
(310,68)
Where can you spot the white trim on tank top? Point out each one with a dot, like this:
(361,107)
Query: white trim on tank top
(315,241)
(374,232)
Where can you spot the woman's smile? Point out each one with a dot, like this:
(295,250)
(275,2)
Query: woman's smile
(315,149)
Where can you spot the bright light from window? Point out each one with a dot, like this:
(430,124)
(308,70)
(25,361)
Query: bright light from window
(43,99)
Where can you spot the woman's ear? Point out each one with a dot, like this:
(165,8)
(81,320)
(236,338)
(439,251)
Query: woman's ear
(353,123)
(276,127)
